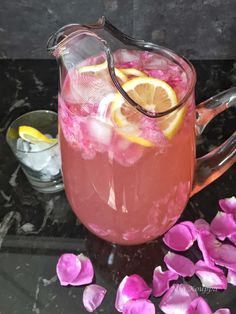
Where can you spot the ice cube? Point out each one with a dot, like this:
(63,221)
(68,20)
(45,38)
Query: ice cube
(86,87)
(22,145)
(153,61)
(104,106)
(39,160)
(53,167)
(127,58)
(35,159)
(40,146)
(49,171)
(93,88)
(129,156)
(100,131)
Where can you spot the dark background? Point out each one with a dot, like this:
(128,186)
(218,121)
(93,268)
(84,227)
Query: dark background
(200,29)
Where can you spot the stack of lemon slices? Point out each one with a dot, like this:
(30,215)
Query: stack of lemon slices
(151,93)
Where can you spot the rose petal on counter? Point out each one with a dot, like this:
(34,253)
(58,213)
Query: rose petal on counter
(180,237)
(131,288)
(191,227)
(93,296)
(177,299)
(199,306)
(228,205)
(68,268)
(86,273)
(210,276)
(136,288)
(182,265)
(139,306)
(216,252)
(207,242)
(231,277)
(161,281)
(232,238)
(223,225)
(222,311)
(224,255)
(201,224)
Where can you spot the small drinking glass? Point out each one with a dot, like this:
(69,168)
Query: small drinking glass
(40,161)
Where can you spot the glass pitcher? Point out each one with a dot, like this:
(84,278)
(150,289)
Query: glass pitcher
(128,126)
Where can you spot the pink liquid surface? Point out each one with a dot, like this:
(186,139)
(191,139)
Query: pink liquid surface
(122,191)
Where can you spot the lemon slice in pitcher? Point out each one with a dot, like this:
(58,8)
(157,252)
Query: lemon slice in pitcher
(34,136)
(132,72)
(101,67)
(153,94)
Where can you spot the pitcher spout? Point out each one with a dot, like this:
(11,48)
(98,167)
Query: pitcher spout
(65,33)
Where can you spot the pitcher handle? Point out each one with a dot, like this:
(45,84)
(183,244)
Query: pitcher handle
(215,163)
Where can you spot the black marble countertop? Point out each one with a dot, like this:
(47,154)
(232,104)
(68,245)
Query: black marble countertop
(35,228)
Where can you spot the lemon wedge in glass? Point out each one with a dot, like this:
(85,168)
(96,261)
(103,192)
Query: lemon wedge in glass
(34,136)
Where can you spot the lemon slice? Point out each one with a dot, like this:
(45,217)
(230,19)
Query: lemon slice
(132,72)
(34,136)
(101,67)
(152,94)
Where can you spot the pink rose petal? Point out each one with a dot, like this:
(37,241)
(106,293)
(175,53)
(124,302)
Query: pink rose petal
(179,264)
(177,299)
(86,273)
(223,225)
(199,306)
(161,281)
(68,268)
(131,288)
(224,255)
(191,227)
(232,238)
(216,252)
(228,205)
(93,296)
(201,224)
(210,276)
(231,277)
(139,306)
(206,241)
(222,311)
(136,288)
(180,237)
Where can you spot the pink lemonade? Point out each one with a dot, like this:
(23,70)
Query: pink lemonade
(120,187)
